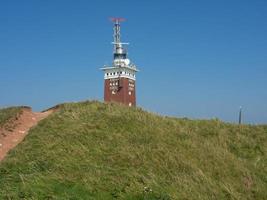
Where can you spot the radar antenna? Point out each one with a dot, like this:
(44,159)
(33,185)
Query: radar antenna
(119,51)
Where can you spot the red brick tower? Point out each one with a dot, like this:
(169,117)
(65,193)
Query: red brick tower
(119,78)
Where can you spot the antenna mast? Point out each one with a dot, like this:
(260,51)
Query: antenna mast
(119,52)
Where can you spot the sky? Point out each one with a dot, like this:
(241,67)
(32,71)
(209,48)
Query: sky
(197,59)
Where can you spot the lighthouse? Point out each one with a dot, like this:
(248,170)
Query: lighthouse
(120,77)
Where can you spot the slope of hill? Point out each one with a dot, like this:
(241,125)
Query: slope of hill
(92,150)
(7,114)
(14,125)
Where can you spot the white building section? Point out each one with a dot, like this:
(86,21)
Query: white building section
(123,71)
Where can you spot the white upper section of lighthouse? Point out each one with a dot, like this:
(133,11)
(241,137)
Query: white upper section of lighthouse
(121,65)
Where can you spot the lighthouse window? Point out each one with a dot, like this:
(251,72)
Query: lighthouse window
(130,93)
(113,73)
(120,72)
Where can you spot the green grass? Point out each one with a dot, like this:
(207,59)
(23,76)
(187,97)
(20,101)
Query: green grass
(92,150)
(7,115)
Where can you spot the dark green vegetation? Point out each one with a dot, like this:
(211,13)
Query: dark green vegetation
(92,150)
(9,114)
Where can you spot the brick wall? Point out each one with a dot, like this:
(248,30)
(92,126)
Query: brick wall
(117,90)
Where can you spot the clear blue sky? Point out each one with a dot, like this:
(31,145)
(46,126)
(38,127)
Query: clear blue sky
(198,59)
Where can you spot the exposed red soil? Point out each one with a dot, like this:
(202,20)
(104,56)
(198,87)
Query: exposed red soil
(20,127)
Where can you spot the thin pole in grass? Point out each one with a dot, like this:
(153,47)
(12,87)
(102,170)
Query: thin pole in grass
(240,116)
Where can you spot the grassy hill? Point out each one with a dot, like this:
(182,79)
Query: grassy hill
(92,150)
(8,115)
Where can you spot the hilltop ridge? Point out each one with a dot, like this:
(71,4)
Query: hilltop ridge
(93,150)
